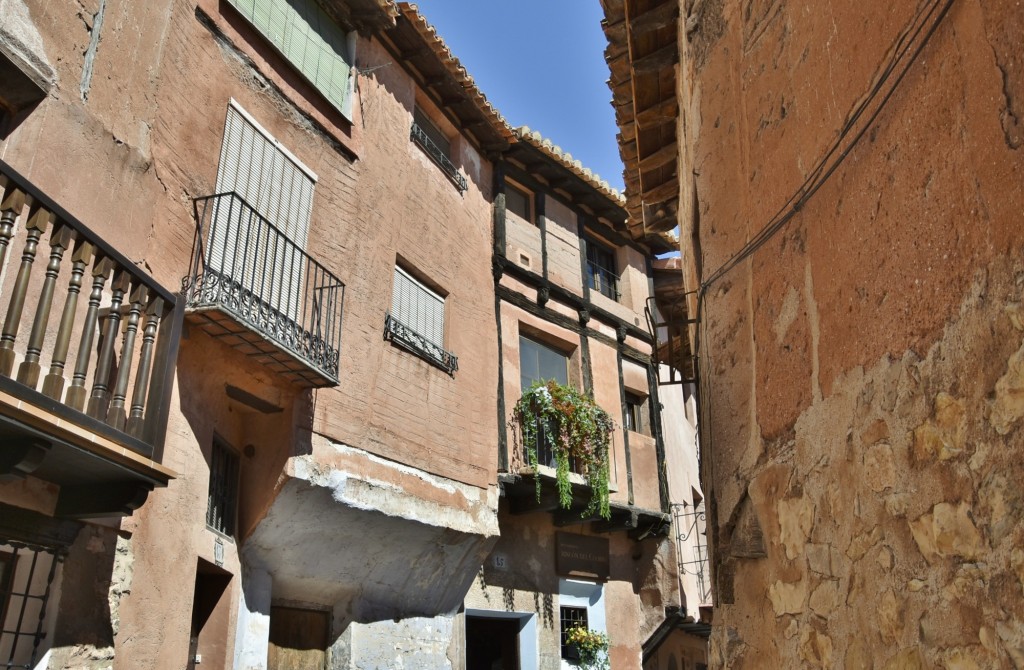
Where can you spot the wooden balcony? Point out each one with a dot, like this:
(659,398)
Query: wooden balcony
(85,380)
(255,290)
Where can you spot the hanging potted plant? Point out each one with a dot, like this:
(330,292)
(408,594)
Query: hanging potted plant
(591,646)
(576,431)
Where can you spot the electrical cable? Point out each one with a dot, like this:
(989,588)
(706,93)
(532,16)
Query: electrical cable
(818,176)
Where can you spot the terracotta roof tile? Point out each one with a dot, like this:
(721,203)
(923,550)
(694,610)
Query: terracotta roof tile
(565,158)
(443,54)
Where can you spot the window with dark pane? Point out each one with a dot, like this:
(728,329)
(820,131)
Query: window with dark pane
(432,132)
(601,271)
(519,202)
(571,617)
(636,406)
(223,494)
(537,363)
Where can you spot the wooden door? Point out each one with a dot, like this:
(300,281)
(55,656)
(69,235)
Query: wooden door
(298,639)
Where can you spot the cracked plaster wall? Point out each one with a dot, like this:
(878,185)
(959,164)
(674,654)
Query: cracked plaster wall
(129,133)
(863,370)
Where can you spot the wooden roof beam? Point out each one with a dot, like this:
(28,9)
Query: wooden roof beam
(659,158)
(658,114)
(654,62)
(661,192)
(664,15)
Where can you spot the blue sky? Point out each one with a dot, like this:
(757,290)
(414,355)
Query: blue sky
(541,63)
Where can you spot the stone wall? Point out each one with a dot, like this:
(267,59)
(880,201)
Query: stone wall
(862,370)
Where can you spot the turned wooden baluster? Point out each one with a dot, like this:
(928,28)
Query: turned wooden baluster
(28,372)
(76,393)
(53,383)
(38,221)
(99,399)
(116,415)
(136,416)
(10,209)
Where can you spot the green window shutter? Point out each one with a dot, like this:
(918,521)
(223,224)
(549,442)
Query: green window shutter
(309,40)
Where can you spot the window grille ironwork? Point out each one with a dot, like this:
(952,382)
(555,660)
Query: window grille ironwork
(571,617)
(26,577)
(419,135)
(265,281)
(413,342)
(222,498)
(603,280)
(691,527)
(601,275)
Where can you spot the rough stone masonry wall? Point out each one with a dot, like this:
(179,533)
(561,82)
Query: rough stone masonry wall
(863,373)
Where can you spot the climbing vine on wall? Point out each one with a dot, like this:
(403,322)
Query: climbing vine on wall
(576,431)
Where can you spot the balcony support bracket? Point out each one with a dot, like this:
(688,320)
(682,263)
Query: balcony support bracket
(99,500)
(20,457)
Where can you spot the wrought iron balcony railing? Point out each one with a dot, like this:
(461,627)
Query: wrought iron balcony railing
(410,340)
(291,305)
(603,280)
(418,135)
(102,361)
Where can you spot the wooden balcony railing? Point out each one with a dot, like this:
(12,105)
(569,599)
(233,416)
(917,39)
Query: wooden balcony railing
(102,361)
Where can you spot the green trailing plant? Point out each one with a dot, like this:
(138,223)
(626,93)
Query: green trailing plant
(577,430)
(592,647)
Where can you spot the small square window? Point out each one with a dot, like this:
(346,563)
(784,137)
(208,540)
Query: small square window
(571,617)
(432,132)
(416,321)
(438,147)
(222,499)
(519,201)
(601,275)
(635,406)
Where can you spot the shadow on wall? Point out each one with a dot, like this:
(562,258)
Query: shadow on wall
(95,575)
(260,420)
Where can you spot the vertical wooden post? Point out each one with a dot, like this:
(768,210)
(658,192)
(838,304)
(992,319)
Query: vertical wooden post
(10,209)
(53,383)
(76,394)
(115,414)
(28,371)
(136,416)
(99,399)
(37,223)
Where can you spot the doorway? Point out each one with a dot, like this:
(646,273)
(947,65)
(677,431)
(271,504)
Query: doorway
(492,643)
(298,639)
(210,614)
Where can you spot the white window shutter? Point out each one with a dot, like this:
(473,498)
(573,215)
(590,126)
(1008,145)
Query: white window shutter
(418,307)
(280,189)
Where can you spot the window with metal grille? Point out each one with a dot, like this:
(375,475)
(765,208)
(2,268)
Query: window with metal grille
(436,145)
(416,320)
(571,617)
(432,132)
(222,498)
(310,41)
(261,245)
(601,275)
(26,576)
(635,406)
(519,201)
